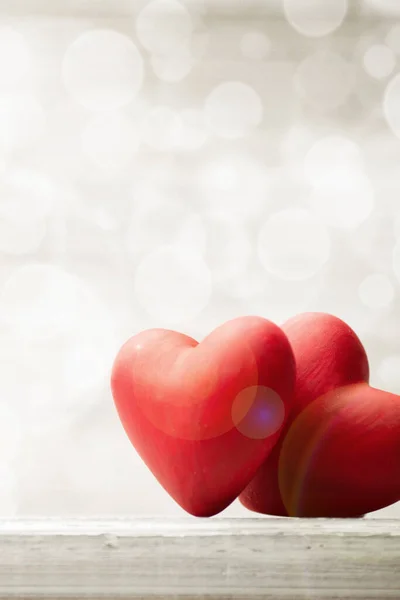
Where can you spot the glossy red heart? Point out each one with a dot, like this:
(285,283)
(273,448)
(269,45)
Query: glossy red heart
(204,417)
(328,355)
(341,456)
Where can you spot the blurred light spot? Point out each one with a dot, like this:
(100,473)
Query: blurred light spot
(293,244)
(45,382)
(255,45)
(258,412)
(26,200)
(225,183)
(196,7)
(315,18)
(10,430)
(110,140)
(379,61)
(19,235)
(344,202)
(105,220)
(15,57)
(233,109)
(163,26)
(102,70)
(173,286)
(227,247)
(325,80)
(331,157)
(193,134)
(393,38)
(387,8)
(22,121)
(376,291)
(295,143)
(162,129)
(192,234)
(173,67)
(39,301)
(389,373)
(391,105)
(36,400)
(88,361)
(156,220)
(251,284)
(372,241)
(224,176)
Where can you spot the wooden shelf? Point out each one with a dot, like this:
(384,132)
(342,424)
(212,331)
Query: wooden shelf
(189,558)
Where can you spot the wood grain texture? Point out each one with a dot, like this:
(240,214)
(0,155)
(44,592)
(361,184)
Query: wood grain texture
(189,558)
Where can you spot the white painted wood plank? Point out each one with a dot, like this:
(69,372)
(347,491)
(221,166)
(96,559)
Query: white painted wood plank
(189,558)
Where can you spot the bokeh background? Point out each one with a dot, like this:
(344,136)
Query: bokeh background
(176,164)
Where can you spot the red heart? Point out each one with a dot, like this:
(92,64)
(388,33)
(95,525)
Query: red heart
(341,456)
(204,417)
(328,355)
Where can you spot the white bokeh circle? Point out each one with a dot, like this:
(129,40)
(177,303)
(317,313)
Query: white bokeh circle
(162,26)
(296,142)
(174,66)
(194,133)
(324,80)
(26,200)
(331,157)
(233,109)
(225,183)
(15,57)
(18,235)
(379,61)
(156,220)
(110,140)
(293,244)
(392,39)
(376,291)
(345,202)
(162,129)
(22,121)
(255,45)
(385,8)
(225,245)
(173,285)
(45,376)
(103,69)
(315,18)
(391,104)
(39,301)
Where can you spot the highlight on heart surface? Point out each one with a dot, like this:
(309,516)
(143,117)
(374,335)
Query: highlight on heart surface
(204,416)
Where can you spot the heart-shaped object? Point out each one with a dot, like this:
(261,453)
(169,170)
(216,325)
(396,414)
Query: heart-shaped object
(204,416)
(341,456)
(328,355)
